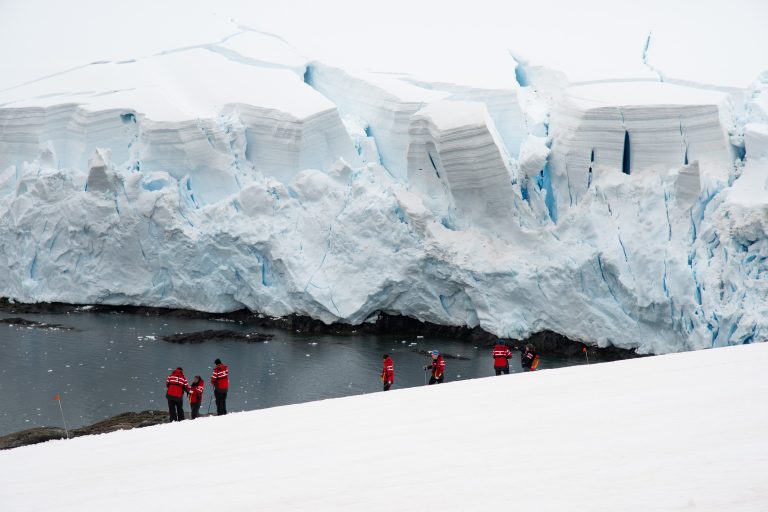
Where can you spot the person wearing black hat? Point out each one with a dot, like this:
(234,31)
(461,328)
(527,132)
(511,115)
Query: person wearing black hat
(220,383)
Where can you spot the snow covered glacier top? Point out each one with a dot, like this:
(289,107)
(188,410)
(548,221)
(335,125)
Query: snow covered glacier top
(221,166)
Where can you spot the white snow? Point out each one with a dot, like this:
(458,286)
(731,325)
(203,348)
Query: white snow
(281,158)
(683,431)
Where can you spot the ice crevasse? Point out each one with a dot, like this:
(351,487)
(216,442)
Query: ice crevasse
(630,213)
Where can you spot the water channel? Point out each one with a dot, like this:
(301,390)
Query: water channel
(111,363)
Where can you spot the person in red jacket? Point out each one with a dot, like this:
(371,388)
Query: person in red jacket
(437,367)
(196,395)
(177,385)
(501,356)
(220,383)
(388,372)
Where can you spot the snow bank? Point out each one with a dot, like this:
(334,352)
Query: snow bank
(662,433)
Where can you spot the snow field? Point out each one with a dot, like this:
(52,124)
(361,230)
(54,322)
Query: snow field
(664,433)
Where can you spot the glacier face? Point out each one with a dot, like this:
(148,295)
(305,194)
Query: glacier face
(240,173)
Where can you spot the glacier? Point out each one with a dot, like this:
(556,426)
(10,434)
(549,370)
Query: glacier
(244,168)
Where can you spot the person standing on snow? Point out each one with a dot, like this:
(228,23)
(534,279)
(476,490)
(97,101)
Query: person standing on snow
(437,367)
(501,356)
(388,372)
(176,385)
(529,359)
(220,383)
(196,395)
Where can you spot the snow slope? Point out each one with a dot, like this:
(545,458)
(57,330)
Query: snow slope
(664,433)
(286,160)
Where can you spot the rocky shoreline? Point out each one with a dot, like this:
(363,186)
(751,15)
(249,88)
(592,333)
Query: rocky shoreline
(546,342)
(220,334)
(125,421)
(31,324)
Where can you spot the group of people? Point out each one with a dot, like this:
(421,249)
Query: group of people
(529,360)
(177,385)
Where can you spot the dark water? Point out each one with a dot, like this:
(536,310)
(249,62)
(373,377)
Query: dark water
(108,365)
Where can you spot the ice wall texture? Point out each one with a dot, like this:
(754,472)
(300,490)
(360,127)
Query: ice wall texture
(240,173)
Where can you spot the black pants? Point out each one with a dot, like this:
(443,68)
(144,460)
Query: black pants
(176,408)
(387,385)
(221,401)
(501,370)
(433,380)
(195,410)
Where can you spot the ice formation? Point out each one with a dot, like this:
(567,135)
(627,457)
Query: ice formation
(458,164)
(240,172)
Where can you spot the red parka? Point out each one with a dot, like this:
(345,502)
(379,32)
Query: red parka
(388,372)
(176,384)
(196,392)
(220,377)
(501,356)
(438,367)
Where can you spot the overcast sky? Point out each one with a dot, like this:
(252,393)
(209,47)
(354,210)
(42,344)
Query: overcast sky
(715,42)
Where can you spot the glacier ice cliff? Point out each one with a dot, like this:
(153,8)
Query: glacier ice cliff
(240,173)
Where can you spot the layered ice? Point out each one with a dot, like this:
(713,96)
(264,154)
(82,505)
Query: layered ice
(385,104)
(634,127)
(241,171)
(161,113)
(457,163)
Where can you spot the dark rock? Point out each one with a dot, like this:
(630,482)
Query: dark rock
(31,436)
(32,323)
(379,323)
(548,342)
(125,421)
(445,356)
(201,336)
(36,308)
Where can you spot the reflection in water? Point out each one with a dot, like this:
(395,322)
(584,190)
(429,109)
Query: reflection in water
(113,363)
